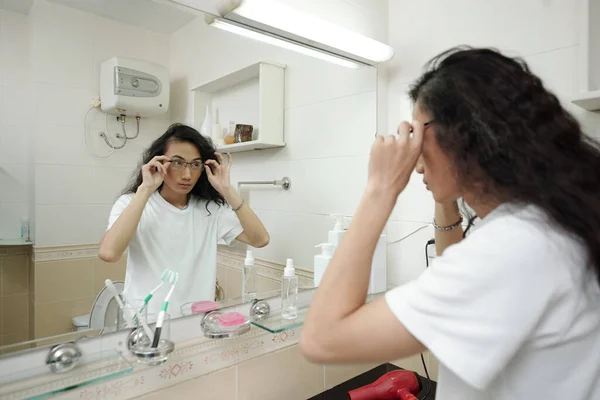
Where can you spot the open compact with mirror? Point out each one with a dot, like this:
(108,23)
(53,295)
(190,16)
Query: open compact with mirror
(92,86)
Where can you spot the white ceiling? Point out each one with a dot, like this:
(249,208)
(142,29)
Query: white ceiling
(153,15)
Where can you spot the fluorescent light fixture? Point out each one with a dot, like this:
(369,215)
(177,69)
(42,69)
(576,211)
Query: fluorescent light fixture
(278,21)
(276,17)
(265,38)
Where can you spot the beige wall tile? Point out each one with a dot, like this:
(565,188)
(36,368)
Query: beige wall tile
(336,374)
(104,271)
(284,374)
(64,280)
(15,311)
(217,386)
(15,338)
(56,318)
(31,295)
(222,274)
(15,275)
(233,289)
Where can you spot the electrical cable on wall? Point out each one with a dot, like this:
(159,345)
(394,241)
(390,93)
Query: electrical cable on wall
(95,104)
(429,243)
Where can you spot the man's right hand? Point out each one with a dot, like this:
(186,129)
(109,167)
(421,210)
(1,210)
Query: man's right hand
(153,173)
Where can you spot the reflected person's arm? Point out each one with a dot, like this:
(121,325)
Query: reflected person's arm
(117,238)
(255,234)
(447,215)
(339,326)
(218,174)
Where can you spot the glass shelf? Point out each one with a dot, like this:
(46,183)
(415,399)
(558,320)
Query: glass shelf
(15,242)
(40,383)
(274,323)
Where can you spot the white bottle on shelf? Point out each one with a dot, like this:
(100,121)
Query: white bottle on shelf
(206,127)
(322,261)
(25,228)
(335,235)
(249,278)
(289,291)
(217,131)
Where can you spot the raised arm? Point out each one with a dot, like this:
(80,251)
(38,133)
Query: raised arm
(117,238)
(254,232)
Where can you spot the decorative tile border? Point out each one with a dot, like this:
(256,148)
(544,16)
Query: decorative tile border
(265,268)
(56,253)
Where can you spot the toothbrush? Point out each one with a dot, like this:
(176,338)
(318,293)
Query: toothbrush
(128,319)
(138,318)
(165,278)
(161,316)
(113,290)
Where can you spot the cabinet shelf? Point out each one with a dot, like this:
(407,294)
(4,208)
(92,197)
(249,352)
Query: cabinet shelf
(253,95)
(247,146)
(589,59)
(588,100)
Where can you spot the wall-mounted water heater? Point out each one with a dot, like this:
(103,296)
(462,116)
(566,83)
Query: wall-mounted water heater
(133,88)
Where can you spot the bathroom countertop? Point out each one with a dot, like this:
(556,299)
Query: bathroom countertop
(340,392)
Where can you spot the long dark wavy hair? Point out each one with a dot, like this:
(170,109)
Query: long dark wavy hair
(203,190)
(511,140)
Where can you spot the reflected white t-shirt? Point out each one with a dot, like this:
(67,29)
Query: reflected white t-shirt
(511,312)
(182,240)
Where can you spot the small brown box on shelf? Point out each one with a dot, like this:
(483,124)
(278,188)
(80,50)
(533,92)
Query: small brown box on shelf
(243,133)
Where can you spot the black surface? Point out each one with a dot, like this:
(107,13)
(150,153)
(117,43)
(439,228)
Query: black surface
(340,392)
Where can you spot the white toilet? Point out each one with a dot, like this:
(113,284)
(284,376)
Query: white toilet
(81,322)
(103,314)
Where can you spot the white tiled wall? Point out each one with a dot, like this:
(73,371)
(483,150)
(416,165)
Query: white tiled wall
(330,120)
(15,168)
(544,32)
(73,189)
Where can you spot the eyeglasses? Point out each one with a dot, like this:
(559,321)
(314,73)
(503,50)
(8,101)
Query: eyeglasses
(179,165)
(425,125)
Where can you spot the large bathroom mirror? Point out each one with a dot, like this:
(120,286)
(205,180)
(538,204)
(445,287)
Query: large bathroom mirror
(299,129)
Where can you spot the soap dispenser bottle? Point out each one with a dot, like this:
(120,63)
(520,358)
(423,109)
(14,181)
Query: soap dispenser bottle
(322,261)
(335,235)
(249,278)
(289,291)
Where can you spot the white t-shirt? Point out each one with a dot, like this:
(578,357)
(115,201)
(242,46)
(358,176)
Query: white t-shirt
(511,312)
(182,240)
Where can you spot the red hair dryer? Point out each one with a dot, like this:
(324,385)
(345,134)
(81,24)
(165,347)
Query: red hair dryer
(397,384)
